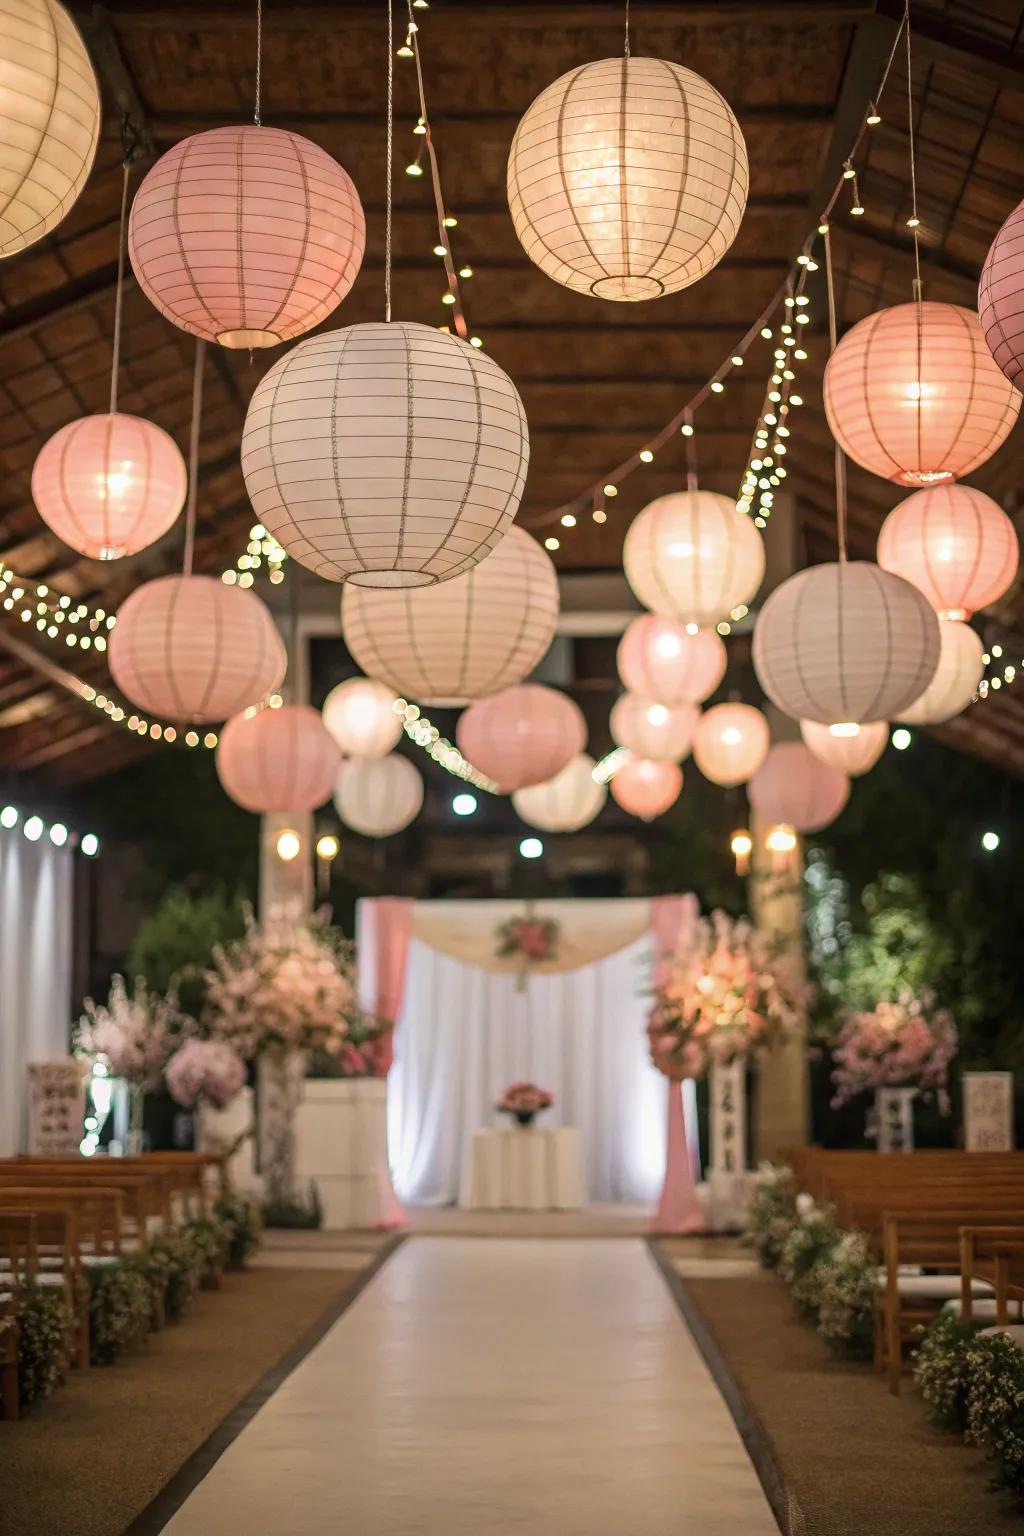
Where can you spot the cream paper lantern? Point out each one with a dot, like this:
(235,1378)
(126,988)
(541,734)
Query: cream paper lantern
(845,642)
(386,455)
(955,683)
(851,747)
(569,801)
(690,556)
(794,788)
(649,729)
(521,736)
(462,639)
(271,760)
(730,743)
(955,544)
(627,178)
(647,789)
(192,649)
(378,798)
(49,119)
(663,661)
(360,715)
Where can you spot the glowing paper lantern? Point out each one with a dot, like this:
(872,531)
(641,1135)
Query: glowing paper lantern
(1001,298)
(387,455)
(246,236)
(647,789)
(649,729)
(191,648)
(359,714)
(851,747)
(379,798)
(912,394)
(661,660)
(49,119)
(730,743)
(690,556)
(956,679)
(567,802)
(464,638)
(797,789)
(845,642)
(955,544)
(521,736)
(109,485)
(278,759)
(627,178)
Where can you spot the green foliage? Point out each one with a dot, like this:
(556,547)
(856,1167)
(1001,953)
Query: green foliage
(942,1370)
(44,1322)
(207,1238)
(847,1287)
(242,1224)
(771,1214)
(174,943)
(995,1405)
(171,1265)
(120,1309)
(295,1214)
(809,1244)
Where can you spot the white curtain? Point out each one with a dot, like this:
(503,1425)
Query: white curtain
(35,970)
(465,1033)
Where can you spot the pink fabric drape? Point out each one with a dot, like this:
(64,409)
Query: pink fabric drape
(679,1209)
(391,926)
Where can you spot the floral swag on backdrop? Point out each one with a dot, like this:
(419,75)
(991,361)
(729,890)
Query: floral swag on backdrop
(533,940)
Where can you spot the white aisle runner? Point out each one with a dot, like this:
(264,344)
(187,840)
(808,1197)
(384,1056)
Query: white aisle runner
(481,1387)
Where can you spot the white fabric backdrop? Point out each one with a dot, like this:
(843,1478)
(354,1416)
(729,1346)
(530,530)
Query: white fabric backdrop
(464,1034)
(35,970)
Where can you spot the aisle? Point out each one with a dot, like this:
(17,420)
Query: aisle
(486,1386)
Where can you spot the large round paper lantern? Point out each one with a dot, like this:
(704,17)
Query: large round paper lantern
(956,678)
(730,743)
(521,736)
(379,798)
(912,394)
(109,485)
(797,789)
(649,729)
(845,642)
(662,660)
(360,715)
(464,638)
(645,788)
(627,178)
(851,747)
(191,648)
(1001,298)
(49,119)
(386,455)
(247,236)
(567,802)
(955,544)
(690,556)
(278,759)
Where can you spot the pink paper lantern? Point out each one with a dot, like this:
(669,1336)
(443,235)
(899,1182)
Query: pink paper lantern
(523,735)
(730,743)
(246,236)
(645,788)
(851,747)
(191,648)
(797,789)
(271,760)
(649,729)
(660,660)
(1001,298)
(955,544)
(109,485)
(912,394)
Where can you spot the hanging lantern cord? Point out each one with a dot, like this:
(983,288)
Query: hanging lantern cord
(690,451)
(129,140)
(840,461)
(627,30)
(913,221)
(389,159)
(193,458)
(259,61)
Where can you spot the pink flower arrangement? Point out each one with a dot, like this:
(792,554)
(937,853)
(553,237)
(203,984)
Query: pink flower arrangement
(207,1070)
(134,1032)
(524,1099)
(534,938)
(904,1042)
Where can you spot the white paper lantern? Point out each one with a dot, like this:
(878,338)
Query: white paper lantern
(276,760)
(193,649)
(569,801)
(649,729)
(730,743)
(521,736)
(956,678)
(462,639)
(796,789)
(359,714)
(690,556)
(387,455)
(379,798)
(660,659)
(851,747)
(845,642)
(627,178)
(49,119)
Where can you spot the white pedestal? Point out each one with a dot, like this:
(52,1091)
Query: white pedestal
(525,1170)
(219,1129)
(341,1143)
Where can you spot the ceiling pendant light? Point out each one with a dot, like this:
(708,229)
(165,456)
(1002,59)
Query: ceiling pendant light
(277,760)
(692,557)
(955,544)
(730,743)
(521,736)
(955,683)
(796,789)
(565,803)
(662,660)
(848,746)
(649,729)
(379,798)
(1001,298)
(647,789)
(360,716)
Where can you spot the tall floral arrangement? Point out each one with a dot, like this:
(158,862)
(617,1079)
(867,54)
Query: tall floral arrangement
(135,1032)
(903,1042)
(724,998)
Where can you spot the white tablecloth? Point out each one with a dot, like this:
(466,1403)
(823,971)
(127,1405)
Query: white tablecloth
(525,1170)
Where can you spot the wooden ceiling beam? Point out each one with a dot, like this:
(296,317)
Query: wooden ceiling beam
(137,15)
(947,43)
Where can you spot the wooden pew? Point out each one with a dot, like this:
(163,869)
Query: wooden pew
(995,1254)
(55,1216)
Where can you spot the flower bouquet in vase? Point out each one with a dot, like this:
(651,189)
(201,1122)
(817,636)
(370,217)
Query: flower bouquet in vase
(897,1050)
(131,1036)
(524,1102)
